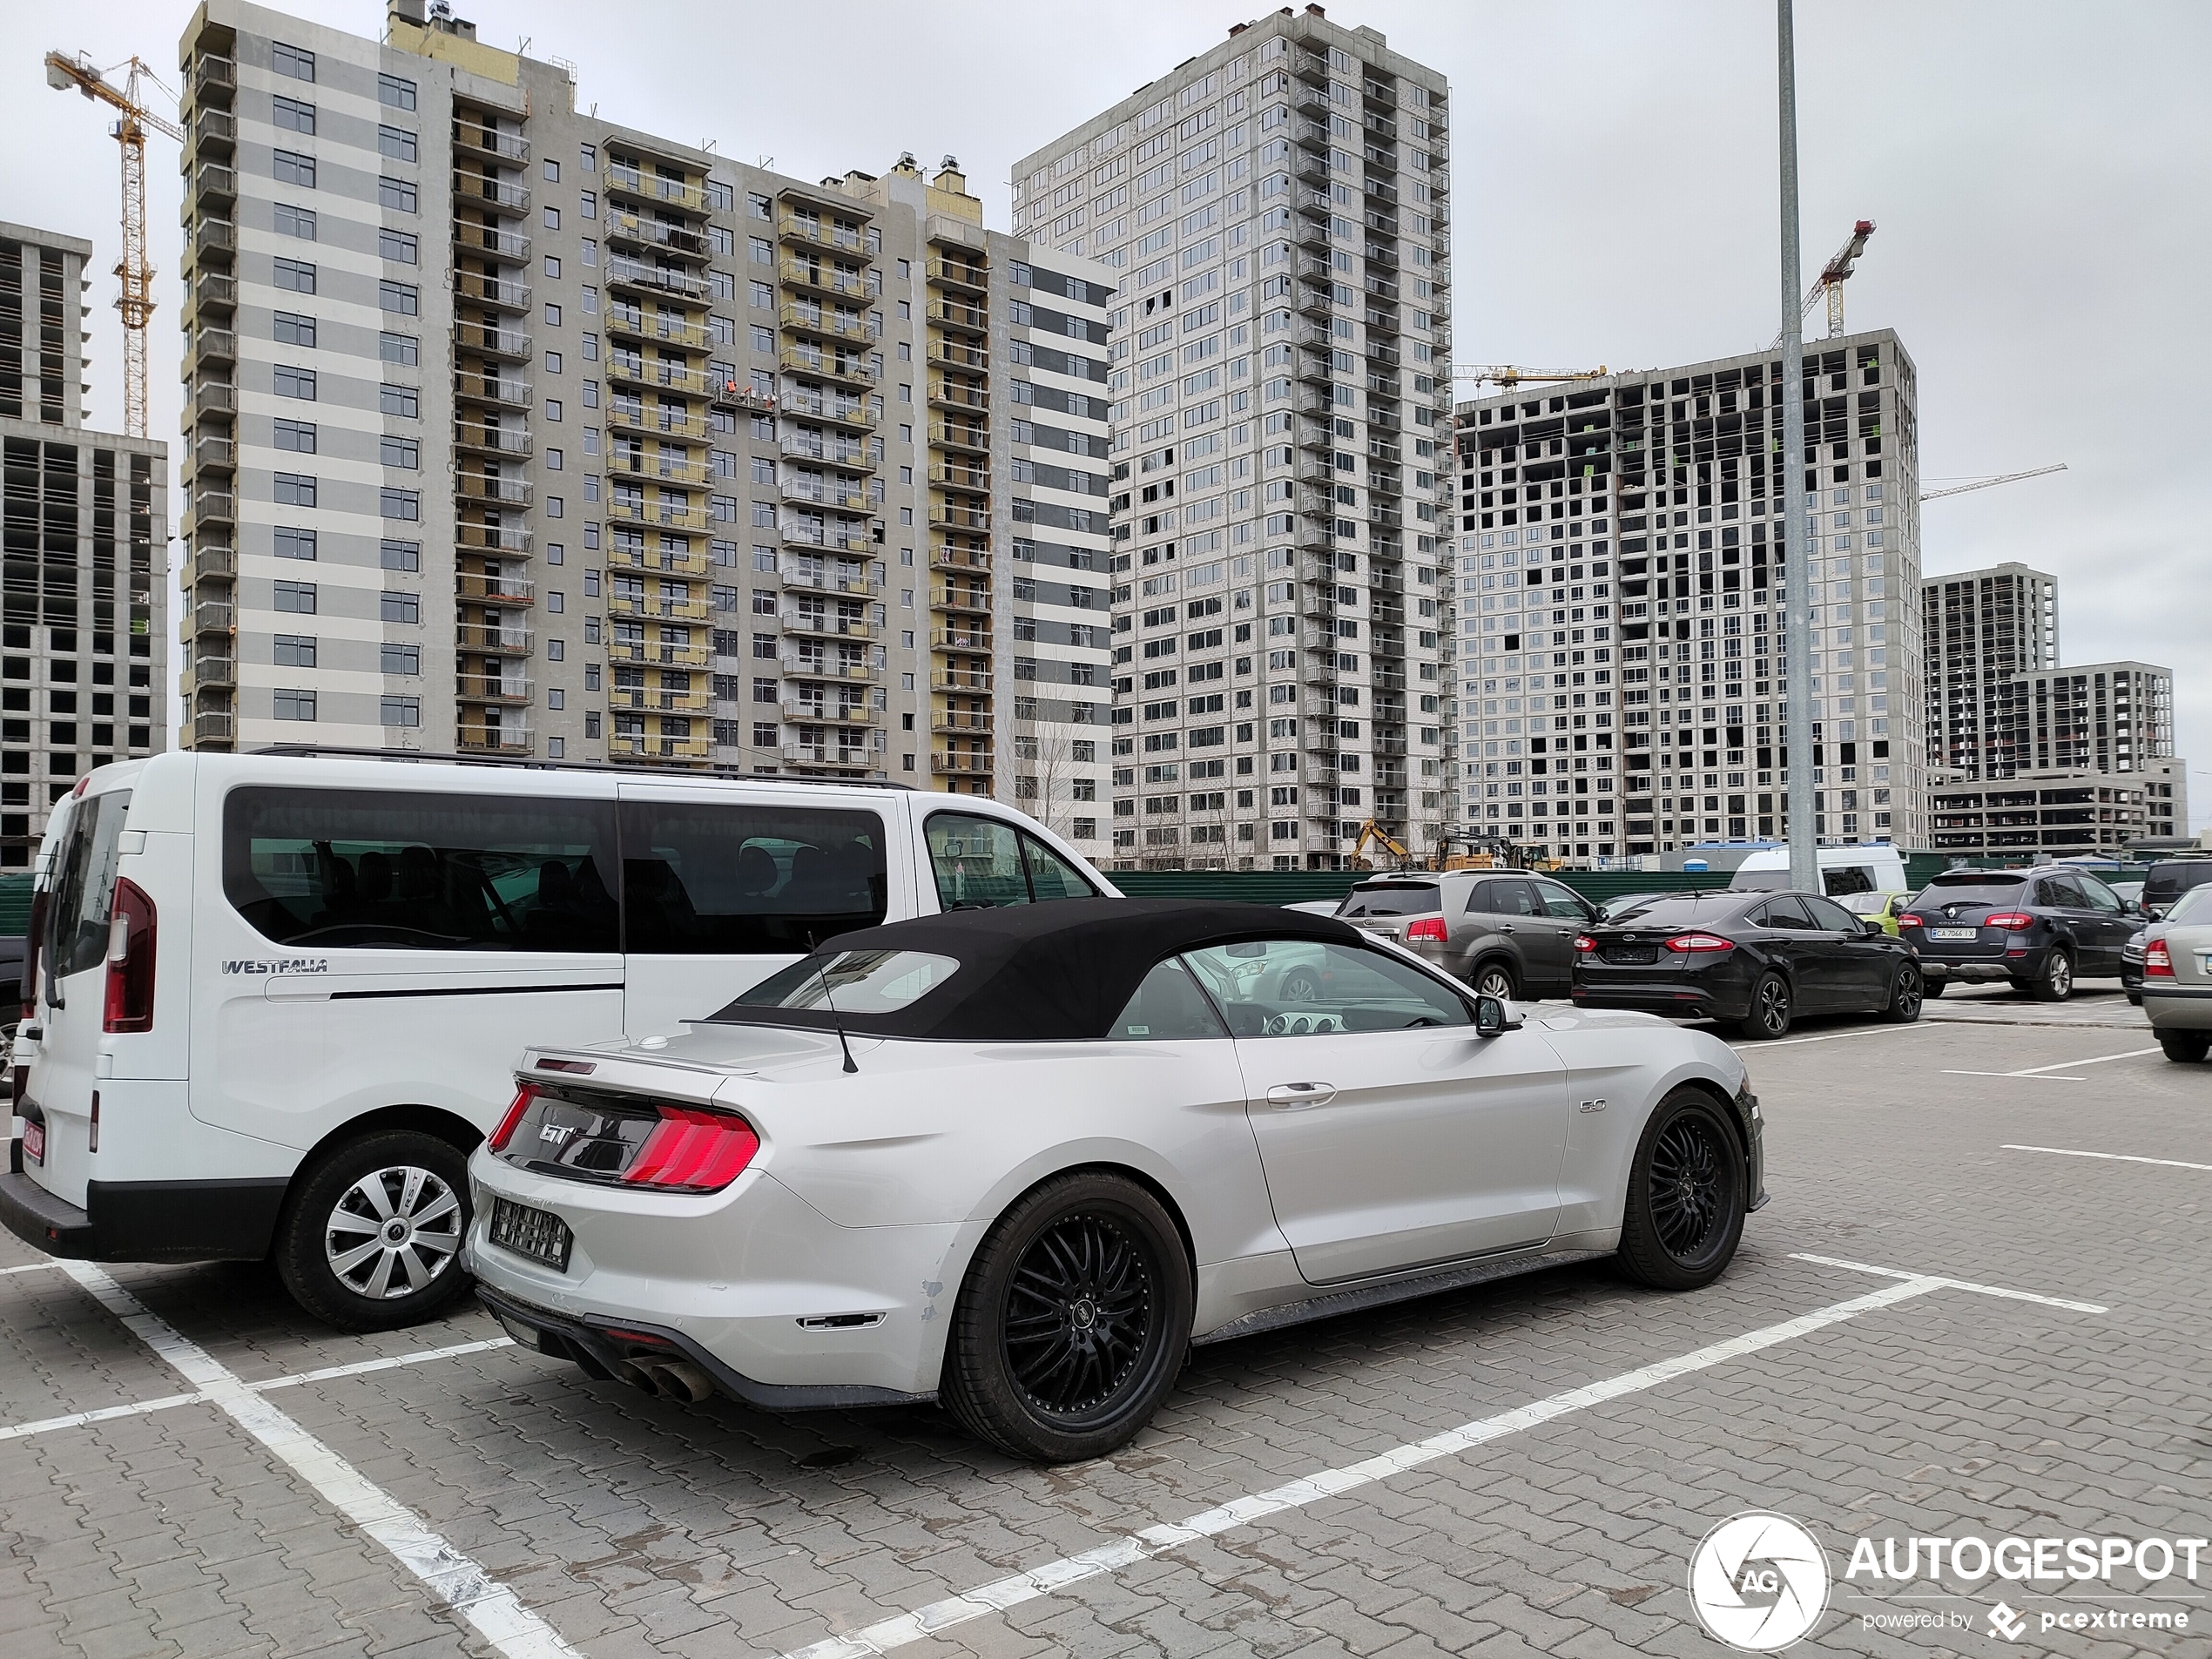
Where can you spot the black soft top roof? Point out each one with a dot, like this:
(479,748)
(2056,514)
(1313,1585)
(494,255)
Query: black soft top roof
(1037,972)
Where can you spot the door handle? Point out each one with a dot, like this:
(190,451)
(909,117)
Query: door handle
(1297,1096)
(1505,926)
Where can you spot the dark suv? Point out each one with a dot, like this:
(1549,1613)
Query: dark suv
(2169,878)
(2041,929)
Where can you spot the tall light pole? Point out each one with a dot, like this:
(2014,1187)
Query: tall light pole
(1796,661)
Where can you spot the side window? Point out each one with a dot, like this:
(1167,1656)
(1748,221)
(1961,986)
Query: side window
(2100,896)
(376,869)
(710,879)
(1513,898)
(1850,877)
(1303,988)
(1562,902)
(1832,916)
(1787,913)
(1167,1006)
(84,884)
(983,861)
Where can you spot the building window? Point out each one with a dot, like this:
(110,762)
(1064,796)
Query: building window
(295,383)
(399,556)
(401,659)
(401,452)
(296,706)
(295,221)
(296,435)
(295,651)
(403,349)
(398,711)
(396,144)
(297,275)
(396,195)
(292,329)
(289,167)
(297,597)
(400,503)
(400,246)
(293,116)
(291,60)
(398,94)
(294,545)
(404,401)
(402,297)
(400,607)
(296,490)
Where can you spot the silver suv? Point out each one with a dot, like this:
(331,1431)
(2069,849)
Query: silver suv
(1505,933)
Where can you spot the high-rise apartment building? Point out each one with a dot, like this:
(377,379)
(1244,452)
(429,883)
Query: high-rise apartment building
(1276,211)
(83,538)
(1980,628)
(518,431)
(1622,687)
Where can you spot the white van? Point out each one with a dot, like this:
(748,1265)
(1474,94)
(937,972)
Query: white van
(1844,869)
(276,999)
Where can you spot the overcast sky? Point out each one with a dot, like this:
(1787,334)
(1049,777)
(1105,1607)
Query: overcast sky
(2040,174)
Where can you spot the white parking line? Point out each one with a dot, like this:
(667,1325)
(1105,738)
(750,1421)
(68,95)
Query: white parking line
(2043,1074)
(1125,1552)
(493,1608)
(2115,1158)
(1761,1045)
(1941,1282)
(28,1267)
(108,1413)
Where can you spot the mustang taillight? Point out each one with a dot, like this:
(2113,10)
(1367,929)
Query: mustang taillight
(1584,943)
(691,1151)
(1685,944)
(129,960)
(2012,922)
(1909,921)
(505,1132)
(1428,928)
(2158,962)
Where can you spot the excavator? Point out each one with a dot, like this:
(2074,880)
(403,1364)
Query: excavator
(1480,852)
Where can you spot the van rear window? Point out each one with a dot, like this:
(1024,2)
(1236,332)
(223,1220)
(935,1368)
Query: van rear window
(77,921)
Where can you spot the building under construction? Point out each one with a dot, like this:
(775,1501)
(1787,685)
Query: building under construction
(1622,680)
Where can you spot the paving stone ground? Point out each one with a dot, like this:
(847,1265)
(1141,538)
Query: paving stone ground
(639,1527)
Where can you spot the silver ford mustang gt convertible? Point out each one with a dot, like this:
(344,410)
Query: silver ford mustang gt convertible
(1019,1160)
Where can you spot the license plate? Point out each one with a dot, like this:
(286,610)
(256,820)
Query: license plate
(1632,955)
(538,1234)
(34,1142)
(1954,933)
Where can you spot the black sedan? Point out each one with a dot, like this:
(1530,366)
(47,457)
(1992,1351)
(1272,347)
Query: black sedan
(1757,959)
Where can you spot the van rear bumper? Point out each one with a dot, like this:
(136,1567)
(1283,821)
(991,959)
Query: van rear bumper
(146,1221)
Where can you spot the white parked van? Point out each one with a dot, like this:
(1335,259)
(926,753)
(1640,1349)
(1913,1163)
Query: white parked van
(1844,869)
(276,999)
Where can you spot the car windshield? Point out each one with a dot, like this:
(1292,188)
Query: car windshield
(1394,899)
(1679,909)
(1974,886)
(2194,906)
(851,982)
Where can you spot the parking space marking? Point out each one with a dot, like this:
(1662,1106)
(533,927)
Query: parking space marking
(498,1616)
(1762,1045)
(2043,1074)
(108,1413)
(2115,1158)
(2022,1076)
(1125,1552)
(28,1267)
(1939,1281)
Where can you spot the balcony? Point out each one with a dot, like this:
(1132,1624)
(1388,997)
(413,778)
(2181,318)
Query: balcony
(687,334)
(217,673)
(664,653)
(814,230)
(217,562)
(492,690)
(677,192)
(493,441)
(510,344)
(960,636)
(841,411)
(669,374)
(505,739)
(952,435)
(961,763)
(492,641)
(824,754)
(826,494)
(958,274)
(821,623)
(842,452)
(945,557)
(630,697)
(845,535)
(951,314)
(958,394)
(954,474)
(210,347)
(211,507)
(213,133)
(837,365)
(476,489)
(486,144)
(672,423)
(214,291)
(809,666)
(213,455)
(669,466)
(831,324)
(655,279)
(814,576)
(475,589)
(828,277)
(963,680)
(475,190)
(491,388)
(1310,66)
(511,246)
(967,721)
(950,597)
(635,230)
(511,539)
(827,713)
(210,617)
(956,353)
(660,607)
(668,514)
(492,291)
(213,81)
(213,186)
(953,516)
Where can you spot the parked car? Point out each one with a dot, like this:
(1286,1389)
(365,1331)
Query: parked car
(1759,959)
(839,1190)
(1316,907)
(1885,908)
(297,1060)
(2040,928)
(1507,933)
(2169,878)
(1625,902)
(2131,965)
(2177,976)
(1876,868)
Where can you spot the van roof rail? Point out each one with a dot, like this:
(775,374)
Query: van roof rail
(722,774)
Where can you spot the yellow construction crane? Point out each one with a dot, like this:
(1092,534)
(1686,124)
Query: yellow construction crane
(1508,375)
(136,301)
(1983,484)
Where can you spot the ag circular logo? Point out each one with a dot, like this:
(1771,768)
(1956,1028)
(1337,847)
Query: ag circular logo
(1758,1581)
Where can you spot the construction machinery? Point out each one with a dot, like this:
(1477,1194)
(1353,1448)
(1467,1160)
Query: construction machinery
(1829,285)
(136,301)
(1509,376)
(1985,483)
(1480,852)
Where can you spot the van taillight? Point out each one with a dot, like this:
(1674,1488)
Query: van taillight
(129,960)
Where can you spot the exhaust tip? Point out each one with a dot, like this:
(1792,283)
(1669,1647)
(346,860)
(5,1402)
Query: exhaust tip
(680,1379)
(636,1376)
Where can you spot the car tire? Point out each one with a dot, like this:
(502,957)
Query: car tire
(2184,1048)
(336,1249)
(1771,1010)
(1687,1198)
(1082,1276)
(2055,982)
(1907,992)
(1932,989)
(1496,978)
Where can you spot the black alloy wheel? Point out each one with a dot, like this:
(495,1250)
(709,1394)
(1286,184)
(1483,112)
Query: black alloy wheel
(1906,993)
(1494,979)
(1772,1008)
(1073,1322)
(1686,1195)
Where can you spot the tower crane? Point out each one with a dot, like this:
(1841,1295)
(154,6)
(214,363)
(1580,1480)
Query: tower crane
(1508,375)
(136,301)
(1983,484)
(1831,279)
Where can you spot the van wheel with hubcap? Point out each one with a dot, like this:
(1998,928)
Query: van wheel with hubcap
(1771,1007)
(1073,1323)
(1494,979)
(1686,1195)
(2185,1047)
(371,1239)
(1906,993)
(2055,982)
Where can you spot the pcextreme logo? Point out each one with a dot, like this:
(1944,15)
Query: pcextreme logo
(1759,1582)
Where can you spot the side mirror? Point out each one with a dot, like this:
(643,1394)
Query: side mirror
(1493,1018)
(1874,928)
